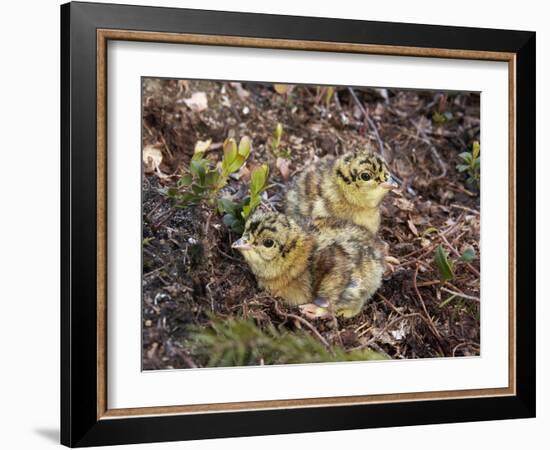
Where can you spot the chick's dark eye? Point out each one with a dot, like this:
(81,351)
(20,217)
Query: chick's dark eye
(365,176)
(268,243)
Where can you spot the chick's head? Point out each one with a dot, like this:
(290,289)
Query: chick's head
(273,245)
(363,177)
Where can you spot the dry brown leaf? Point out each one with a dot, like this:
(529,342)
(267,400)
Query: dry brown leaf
(152,158)
(402,331)
(197,102)
(283,165)
(412,227)
(283,88)
(403,204)
(183,85)
(241,92)
(202,146)
(242,174)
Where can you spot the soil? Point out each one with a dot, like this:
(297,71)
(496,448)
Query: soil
(190,271)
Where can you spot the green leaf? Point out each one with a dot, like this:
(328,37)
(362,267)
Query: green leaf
(235,165)
(229,220)
(444,264)
(172,192)
(212,178)
(197,189)
(329,92)
(198,157)
(277,134)
(228,206)
(245,213)
(258,178)
(438,118)
(447,301)
(238,226)
(185,180)
(229,150)
(233,223)
(148,240)
(187,199)
(244,147)
(475,150)
(468,255)
(462,167)
(202,174)
(466,156)
(255,202)
(429,230)
(194,167)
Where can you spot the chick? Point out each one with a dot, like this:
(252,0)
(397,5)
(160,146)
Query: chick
(331,266)
(350,187)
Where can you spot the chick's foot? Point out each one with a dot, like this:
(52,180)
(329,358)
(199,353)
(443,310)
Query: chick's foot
(389,266)
(312,311)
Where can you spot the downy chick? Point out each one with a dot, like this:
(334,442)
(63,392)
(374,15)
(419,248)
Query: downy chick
(330,267)
(350,187)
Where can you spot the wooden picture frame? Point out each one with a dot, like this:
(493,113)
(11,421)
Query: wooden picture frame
(86,418)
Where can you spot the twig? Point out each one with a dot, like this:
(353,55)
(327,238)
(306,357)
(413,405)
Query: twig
(232,258)
(368,119)
(462,344)
(166,145)
(390,304)
(374,128)
(464,208)
(424,138)
(430,321)
(150,214)
(303,322)
(335,323)
(163,219)
(426,250)
(386,328)
(428,283)
(460,294)
(188,361)
(457,253)
(154,271)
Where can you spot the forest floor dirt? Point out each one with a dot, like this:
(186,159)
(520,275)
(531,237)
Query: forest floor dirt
(190,272)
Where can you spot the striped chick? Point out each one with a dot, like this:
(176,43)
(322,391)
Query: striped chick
(350,187)
(330,267)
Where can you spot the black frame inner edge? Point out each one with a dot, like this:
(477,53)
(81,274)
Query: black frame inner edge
(79,425)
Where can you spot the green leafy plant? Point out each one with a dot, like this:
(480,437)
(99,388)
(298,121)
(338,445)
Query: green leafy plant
(240,342)
(204,180)
(324,93)
(441,118)
(471,164)
(258,183)
(276,146)
(468,255)
(235,214)
(444,264)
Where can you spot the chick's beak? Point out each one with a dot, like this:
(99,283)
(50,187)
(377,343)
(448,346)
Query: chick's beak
(390,183)
(241,244)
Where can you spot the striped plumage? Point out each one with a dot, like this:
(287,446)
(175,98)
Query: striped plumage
(332,265)
(350,187)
